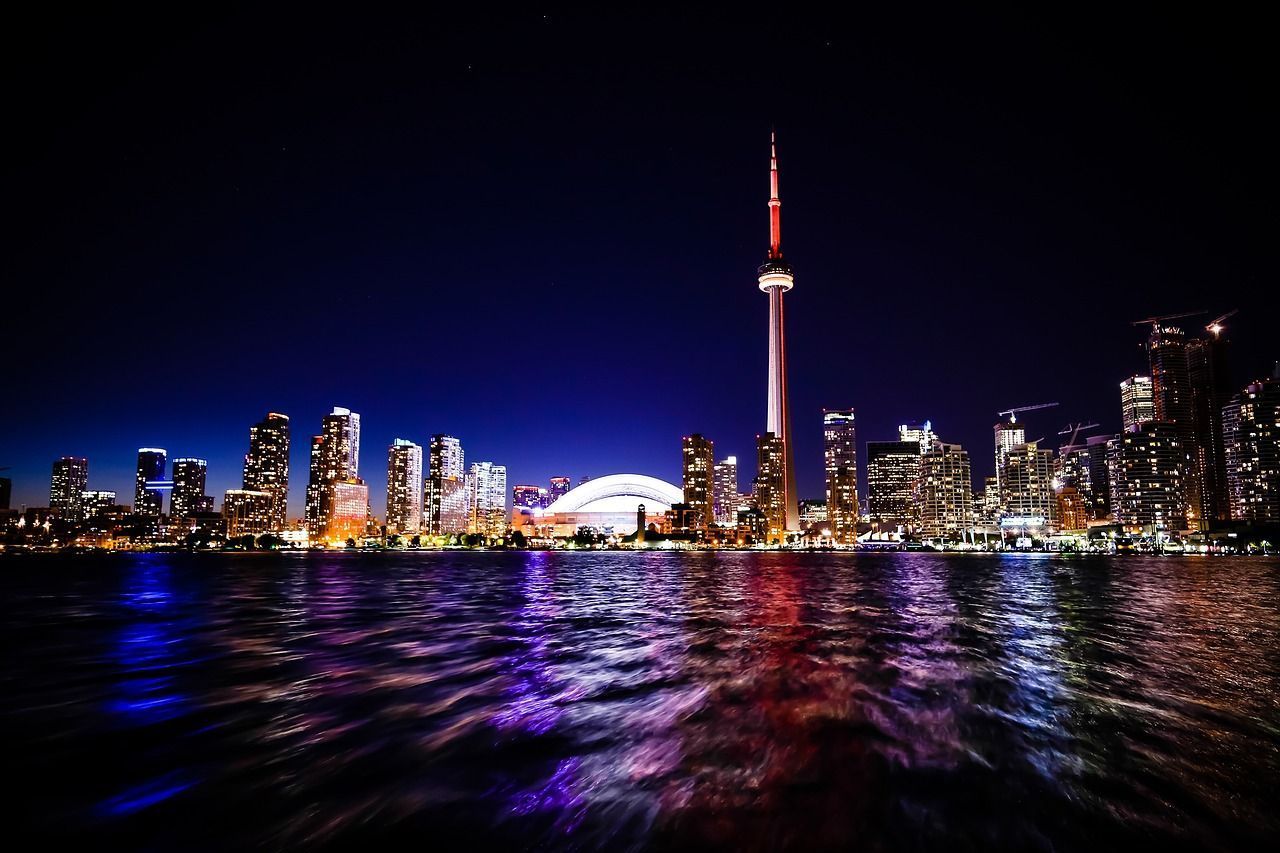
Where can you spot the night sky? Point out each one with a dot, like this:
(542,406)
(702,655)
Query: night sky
(540,232)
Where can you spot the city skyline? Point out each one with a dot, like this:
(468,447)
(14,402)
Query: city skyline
(908,273)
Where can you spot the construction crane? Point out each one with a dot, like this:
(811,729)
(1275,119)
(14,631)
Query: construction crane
(1155,321)
(1074,430)
(1013,413)
(1215,326)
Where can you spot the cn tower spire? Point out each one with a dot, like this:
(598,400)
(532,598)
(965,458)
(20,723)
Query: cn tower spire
(775,203)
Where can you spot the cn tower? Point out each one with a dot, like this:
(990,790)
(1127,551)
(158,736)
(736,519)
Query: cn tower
(776,279)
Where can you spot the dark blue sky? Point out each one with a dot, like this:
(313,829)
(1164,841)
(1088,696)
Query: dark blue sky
(540,234)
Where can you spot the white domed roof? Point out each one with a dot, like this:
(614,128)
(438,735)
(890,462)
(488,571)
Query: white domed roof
(619,493)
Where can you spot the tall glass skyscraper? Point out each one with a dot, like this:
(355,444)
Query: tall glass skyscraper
(404,487)
(188,497)
(266,466)
(151,465)
(445,502)
(67,486)
(725,491)
(840,463)
(698,460)
(335,458)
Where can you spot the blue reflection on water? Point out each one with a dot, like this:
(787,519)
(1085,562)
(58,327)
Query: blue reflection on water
(143,796)
(149,646)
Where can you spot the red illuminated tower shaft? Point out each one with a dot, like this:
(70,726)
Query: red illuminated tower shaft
(775,279)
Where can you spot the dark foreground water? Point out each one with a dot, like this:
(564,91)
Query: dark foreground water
(583,701)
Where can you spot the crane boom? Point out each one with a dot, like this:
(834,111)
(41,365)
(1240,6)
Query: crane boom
(1155,321)
(1013,413)
(1215,325)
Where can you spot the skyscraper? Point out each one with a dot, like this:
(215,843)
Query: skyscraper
(1026,485)
(1008,435)
(771,484)
(335,458)
(725,491)
(840,463)
(266,465)
(1146,469)
(151,465)
(487,489)
(1099,478)
(776,279)
(67,485)
(1211,388)
(96,503)
(697,464)
(921,434)
(1137,403)
(1172,398)
(188,497)
(1251,438)
(527,496)
(404,487)
(893,467)
(945,493)
(446,504)
(248,512)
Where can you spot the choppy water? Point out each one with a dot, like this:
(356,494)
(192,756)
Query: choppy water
(582,701)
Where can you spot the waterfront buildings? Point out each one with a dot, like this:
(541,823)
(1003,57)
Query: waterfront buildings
(1008,435)
(724,488)
(67,485)
(840,463)
(404,487)
(607,505)
(1137,403)
(348,512)
(335,459)
(487,499)
(560,487)
(893,468)
(1027,498)
(1074,512)
(266,465)
(188,497)
(96,503)
(771,484)
(1172,403)
(148,501)
(1251,440)
(248,512)
(945,492)
(921,434)
(812,514)
(525,496)
(1099,476)
(776,279)
(697,466)
(1211,389)
(446,501)
(1146,468)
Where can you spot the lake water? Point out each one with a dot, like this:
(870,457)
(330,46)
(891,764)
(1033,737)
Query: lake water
(642,701)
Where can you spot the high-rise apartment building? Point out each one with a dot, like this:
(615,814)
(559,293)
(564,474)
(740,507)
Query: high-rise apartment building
(893,469)
(335,458)
(771,484)
(266,465)
(724,489)
(96,503)
(697,464)
(404,487)
(1209,374)
(1099,476)
(151,465)
(348,515)
(945,492)
(560,486)
(446,504)
(1008,435)
(1137,402)
(1146,468)
(248,512)
(840,464)
(188,497)
(1172,398)
(1251,440)
(527,496)
(487,492)
(67,485)
(1026,484)
(921,434)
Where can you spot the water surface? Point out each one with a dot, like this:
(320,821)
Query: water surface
(642,701)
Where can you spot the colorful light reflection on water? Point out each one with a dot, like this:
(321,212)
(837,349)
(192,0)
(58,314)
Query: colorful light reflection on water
(639,701)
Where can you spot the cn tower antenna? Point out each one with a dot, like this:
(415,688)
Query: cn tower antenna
(775,203)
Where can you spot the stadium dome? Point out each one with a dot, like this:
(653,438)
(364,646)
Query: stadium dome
(617,494)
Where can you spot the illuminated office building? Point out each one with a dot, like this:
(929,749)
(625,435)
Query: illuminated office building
(526,496)
(446,504)
(1172,398)
(1137,403)
(1146,468)
(1251,438)
(348,516)
(560,487)
(771,484)
(404,487)
(248,512)
(921,434)
(151,465)
(96,503)
(725,491)
(487,499)
(335,458)
(1073,511)
(893,468)
(67,485)
(945,492)
(188,497)
(812,514)
(1026,487)
(1211,389)
(266,465)
(840,464)
(1008,435)
(697,464)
